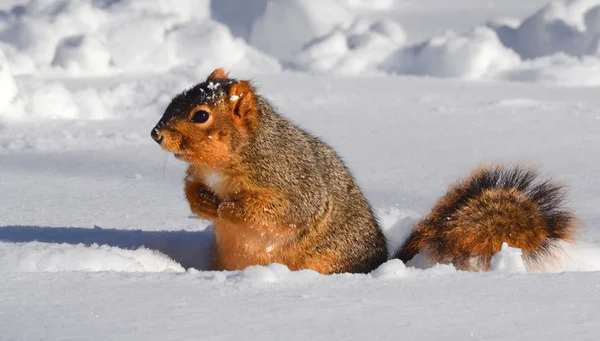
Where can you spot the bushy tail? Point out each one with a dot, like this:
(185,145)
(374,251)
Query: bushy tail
(493,205)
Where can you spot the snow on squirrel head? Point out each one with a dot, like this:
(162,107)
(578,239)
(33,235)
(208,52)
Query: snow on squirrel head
(207,124)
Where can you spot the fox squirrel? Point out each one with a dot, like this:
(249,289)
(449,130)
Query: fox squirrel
(277,194)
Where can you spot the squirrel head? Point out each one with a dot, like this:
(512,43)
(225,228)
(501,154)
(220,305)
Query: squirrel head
(208,123)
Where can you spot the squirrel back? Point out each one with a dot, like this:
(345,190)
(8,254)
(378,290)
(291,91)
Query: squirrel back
(493,205)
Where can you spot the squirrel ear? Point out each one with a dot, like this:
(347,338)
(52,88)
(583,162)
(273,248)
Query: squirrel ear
(243,101)
(218,74)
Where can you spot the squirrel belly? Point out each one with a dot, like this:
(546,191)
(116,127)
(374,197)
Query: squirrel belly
(278,194)
(493,205)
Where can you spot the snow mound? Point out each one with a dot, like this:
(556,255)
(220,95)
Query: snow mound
(558,44)
(48,257)
(544,47)
(508,259)
(96,36)
(82,53)
(285,26)
(331,38)
(393,268)
(258,275)
(361,47)
(57,99)
(213,46)
(53,100)
(572,27)
(474,55)
(375,46)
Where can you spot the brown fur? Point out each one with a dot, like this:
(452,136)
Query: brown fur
(275,192)
(493,205)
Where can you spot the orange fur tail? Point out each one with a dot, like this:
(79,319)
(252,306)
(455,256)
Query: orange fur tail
(493,205)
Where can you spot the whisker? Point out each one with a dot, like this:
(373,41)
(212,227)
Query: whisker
(165,165)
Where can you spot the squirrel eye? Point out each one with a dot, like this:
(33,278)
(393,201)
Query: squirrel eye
(200,116)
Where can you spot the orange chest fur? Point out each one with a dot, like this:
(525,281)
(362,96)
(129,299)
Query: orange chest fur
(238,246)
(223,184)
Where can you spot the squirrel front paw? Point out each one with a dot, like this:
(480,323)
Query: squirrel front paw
(203,202)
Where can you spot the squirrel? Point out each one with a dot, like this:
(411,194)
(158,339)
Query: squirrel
(277,194)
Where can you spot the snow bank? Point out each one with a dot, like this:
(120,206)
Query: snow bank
(474,55)
(572,27)
(97,36)
(281,28)
(53,42)
(48,257)
(333,36)
(117,99)
(557,44)
(53,100)
(335,41)
(361,47)
(285,26)
(82,53)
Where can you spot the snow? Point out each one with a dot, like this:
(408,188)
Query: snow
(43,257)
(133,36)
(81,53)
(571,27)
(363,45)
(473,56)
(551,44)
(288,16)
(508,259)
(556,44)
(97,241)
(267,303)
(8,86)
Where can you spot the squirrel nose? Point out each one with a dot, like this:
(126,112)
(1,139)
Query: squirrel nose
(156,135)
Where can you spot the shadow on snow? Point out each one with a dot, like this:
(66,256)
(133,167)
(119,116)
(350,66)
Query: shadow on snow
(191,249)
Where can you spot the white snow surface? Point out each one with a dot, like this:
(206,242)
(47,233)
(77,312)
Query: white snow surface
(97,241)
